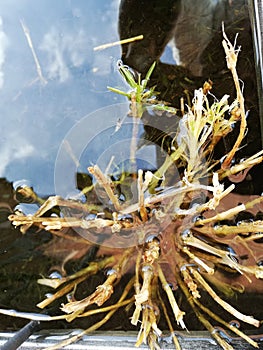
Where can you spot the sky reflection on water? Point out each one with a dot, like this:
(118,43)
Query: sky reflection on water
(35,117)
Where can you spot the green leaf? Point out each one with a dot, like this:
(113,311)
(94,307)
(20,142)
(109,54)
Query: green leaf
(128,76)
(148,75)
(120,92)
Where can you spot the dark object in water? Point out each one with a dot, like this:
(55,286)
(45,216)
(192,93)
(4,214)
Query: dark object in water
(195,29)
(21,336)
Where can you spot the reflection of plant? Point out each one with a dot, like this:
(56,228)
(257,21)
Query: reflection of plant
(167,228)
(139,93)
(138,96)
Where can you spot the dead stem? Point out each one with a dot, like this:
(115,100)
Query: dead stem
(57,223)
(201,317)
(178,314)
(66,289)
(107,308)
(190,240)
(246,164)
(144,297)
(137,286)
(106,184)
(228,214)
(243,227)
(226,324)
(190,283)
(225,305)
(198,261)
(149,330)
(76,278)
(193,289)
(144,293)
(102,293)
(91,269)
(96,325)
(169,323)
(140,186)
(53,201)
(168,193)
(231,58)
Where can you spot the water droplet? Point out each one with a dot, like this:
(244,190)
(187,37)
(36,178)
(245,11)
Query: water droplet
(232,254)
(110,272)
(234,323)
(233,161)
(152,238)
(76,196)
(186,234)
(223,334)
(216,226)
(243,222)
(230,250)
(125,217)
(49,295)
(70,297)
(21,184)
(122,197)
(91,217)
(197,201)
(197,218)
(55,274)
(171,285)
(146,268)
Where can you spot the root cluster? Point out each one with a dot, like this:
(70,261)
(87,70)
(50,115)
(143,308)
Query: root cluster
(180,232)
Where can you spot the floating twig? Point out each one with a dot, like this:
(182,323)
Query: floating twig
(119,42)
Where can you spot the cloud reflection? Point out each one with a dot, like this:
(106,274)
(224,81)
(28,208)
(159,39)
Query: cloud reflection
(3,47)
(63,51)
(20,149)
(35,117)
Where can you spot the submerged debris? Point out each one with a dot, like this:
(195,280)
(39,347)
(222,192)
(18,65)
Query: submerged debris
(168,225)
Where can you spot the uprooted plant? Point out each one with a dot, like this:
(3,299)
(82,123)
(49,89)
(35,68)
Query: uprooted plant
(167,229)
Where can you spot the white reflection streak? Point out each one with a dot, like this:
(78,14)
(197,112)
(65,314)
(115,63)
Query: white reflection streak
(3,47)
(30,44)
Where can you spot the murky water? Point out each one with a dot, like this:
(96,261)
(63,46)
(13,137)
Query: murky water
(53,88)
